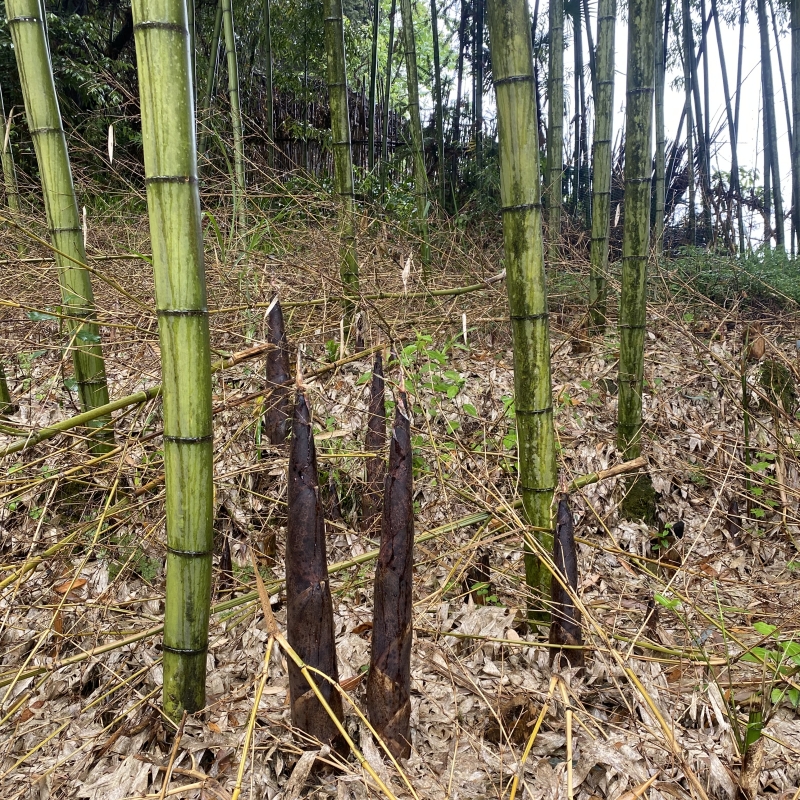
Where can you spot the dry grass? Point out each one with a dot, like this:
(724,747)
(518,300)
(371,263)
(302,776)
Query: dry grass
(659,704)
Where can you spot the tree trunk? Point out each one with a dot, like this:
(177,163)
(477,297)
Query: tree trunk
(636,235)
(770,132)
(510,43)
(601,157)
(439,110)
(417,145)
(555,126)
(239,212)
(170,159)
(27,26)
(342,150)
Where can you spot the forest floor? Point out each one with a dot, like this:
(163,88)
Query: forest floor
(661,707)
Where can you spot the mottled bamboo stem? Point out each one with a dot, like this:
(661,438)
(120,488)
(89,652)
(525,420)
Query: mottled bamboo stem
(173,200)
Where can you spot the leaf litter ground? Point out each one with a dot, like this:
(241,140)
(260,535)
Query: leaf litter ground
(661,703)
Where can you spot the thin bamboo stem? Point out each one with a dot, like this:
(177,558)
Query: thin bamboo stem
(417,143)
(555,126)
(601,158)
(27,25)
(239,209)
(342,150)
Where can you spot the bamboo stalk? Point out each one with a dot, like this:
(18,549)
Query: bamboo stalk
(269,104)
(512,59)
(342,149)
(555,126)
(795,23)
(6,403)
(660,161)
(27,25)
(168,133)
(239,210)
(213,60)
(636,237)
(417,143)
(770,132)
(7,161)
(438,104)
(386,100)
(601,183)
(373,82)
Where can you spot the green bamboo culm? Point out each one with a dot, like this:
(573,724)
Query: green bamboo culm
(269,111)
(7,161)
(173,200)
(6,404)
(342,151)
(770,131)
(688,53)
(510,45)
(636,232)
(417,151)
(239,212)
(795,22)
(373,85)
(601,158)
(27,26)
(660,166)
(213,59)
(438,106)
(386,103)
(555,126)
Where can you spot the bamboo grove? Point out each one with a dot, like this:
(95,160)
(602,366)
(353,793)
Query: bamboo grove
(512,152)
